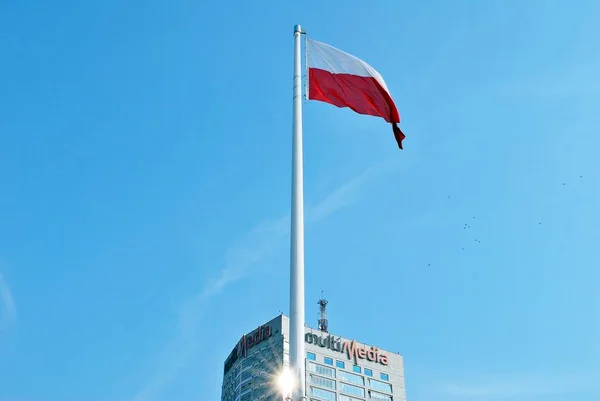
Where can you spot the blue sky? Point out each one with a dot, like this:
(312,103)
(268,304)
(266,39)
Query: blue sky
(145,180)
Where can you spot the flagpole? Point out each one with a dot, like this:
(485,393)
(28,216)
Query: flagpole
(297,353)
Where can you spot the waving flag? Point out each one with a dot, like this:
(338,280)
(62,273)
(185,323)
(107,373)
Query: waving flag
(343,80)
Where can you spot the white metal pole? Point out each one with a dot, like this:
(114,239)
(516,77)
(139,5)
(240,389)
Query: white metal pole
(297,353)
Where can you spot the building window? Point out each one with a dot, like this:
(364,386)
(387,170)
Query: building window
(368,372)
(340,364)
(384,376)
(311,356)
(352,390)
(381,386)
(322,382)
(348,398)
(323,394)
(249,361)
(328,361)
(247,374)
(356,369)
(321,370)
(351,378)
(380,397)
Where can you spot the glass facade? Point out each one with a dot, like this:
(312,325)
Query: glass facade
(311,356)
(321,370)
(344,397)
(352,390)
(246,375)
(323,394)
(377,385)
(351,386)
(380,397)
(351,378)
(243,381)
(322,382)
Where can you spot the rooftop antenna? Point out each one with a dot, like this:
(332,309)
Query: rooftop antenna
(323,324)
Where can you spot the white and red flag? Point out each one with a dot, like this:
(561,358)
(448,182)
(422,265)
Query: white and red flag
(344,80)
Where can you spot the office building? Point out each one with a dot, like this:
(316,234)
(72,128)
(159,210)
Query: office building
(337,368)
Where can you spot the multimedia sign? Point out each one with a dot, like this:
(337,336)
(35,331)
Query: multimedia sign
(246,342)
(350,348)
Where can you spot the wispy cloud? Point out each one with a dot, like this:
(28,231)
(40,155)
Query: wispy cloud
(8,310)
(506,388)
(351,192)
(253,248)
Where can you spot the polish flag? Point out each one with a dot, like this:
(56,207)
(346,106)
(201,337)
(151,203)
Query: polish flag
(343,80)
